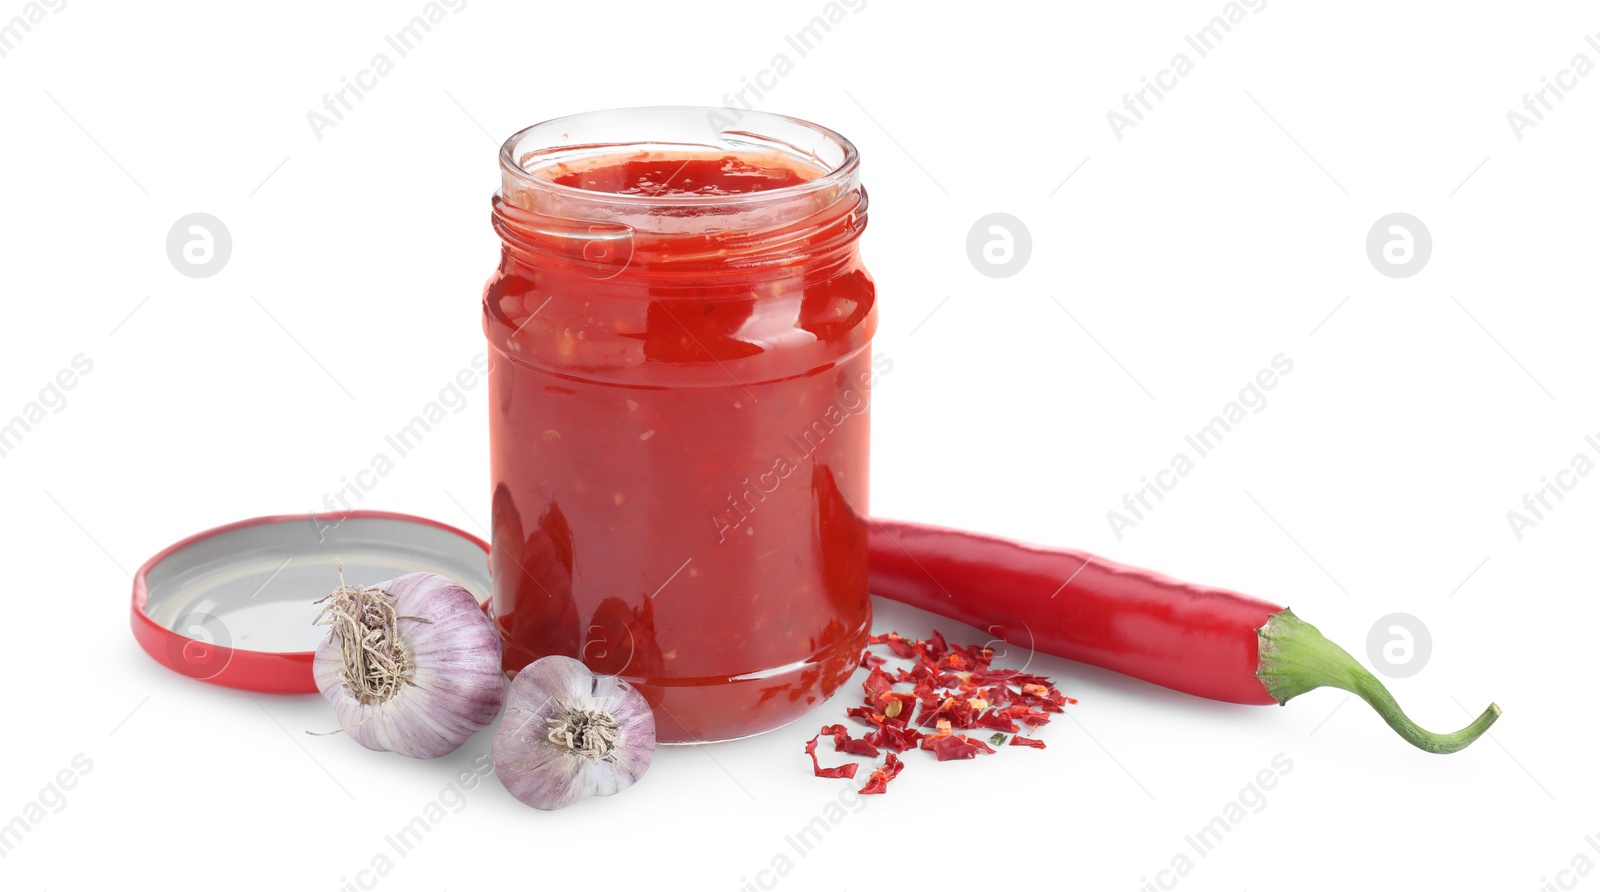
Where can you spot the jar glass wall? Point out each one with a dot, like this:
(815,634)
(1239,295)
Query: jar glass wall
(680,333)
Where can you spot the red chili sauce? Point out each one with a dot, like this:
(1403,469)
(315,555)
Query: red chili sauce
(679,444)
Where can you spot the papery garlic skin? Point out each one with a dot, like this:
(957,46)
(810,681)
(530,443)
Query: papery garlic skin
(545,774)
(456,685)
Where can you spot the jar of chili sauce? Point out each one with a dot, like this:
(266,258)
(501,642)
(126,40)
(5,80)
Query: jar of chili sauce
(680,332)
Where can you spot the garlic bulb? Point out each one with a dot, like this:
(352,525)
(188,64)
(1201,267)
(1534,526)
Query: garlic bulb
(411,665)
(569,733)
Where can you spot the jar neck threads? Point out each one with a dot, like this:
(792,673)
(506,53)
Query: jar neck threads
(666,192)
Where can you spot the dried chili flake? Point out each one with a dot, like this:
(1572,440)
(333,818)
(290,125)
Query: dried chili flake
(895,737)
(961,712)
(1046,705)
(892,766)
(854,747)
(986,676)
(867,714)
(1025,714)
(994,721)
(967,659)
(902,703)
(930,713)
(956,712)
(955,746)
(879,781)
(953,688)
(877,684)
(897,645)
(844,743)
(848,769)
(997,695)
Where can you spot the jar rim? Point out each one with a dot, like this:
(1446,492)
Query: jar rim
(744,132)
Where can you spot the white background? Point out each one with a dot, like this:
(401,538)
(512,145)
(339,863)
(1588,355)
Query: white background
(1225,228)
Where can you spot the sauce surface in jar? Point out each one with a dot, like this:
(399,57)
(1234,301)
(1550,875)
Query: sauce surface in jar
(681,378)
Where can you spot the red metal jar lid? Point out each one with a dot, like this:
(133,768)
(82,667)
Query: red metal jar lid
(234,605)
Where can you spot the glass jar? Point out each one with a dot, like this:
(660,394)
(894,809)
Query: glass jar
(680,334)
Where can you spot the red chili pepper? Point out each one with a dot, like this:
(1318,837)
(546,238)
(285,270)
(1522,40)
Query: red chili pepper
(1205,641)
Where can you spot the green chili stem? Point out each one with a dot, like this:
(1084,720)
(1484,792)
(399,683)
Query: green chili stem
(1296,658)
